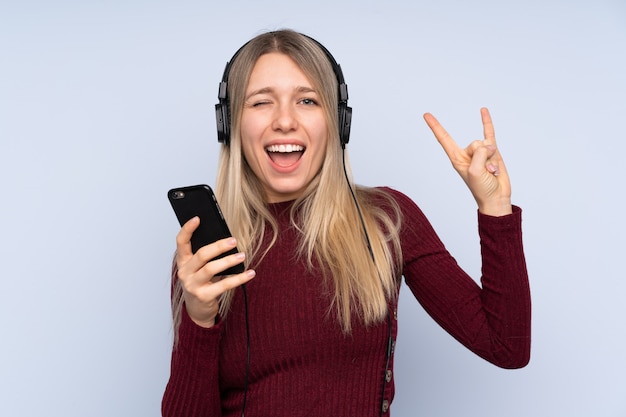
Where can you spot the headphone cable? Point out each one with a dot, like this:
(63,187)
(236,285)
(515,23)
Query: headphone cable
(390,341)
(245,389)
(358,208)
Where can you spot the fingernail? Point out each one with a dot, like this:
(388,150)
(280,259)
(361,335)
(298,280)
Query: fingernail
(250,273)
(240,256)
(232,241)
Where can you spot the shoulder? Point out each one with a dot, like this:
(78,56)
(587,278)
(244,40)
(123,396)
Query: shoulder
(395,203)
(383,196)
(398,196)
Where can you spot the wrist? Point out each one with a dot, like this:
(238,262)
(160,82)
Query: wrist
(205,319)
(498,208)
(207,324)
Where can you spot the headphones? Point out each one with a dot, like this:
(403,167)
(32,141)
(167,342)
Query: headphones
(222,109)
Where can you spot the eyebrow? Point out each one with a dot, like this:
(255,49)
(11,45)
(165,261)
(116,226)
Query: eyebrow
(269,90)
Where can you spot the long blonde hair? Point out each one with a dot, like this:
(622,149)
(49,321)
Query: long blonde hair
(327,215)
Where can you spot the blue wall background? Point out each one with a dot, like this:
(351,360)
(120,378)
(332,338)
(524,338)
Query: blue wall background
(106,105)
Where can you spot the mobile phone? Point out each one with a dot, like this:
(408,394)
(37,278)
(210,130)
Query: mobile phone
(199,200)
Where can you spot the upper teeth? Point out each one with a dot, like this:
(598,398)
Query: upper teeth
(285,148)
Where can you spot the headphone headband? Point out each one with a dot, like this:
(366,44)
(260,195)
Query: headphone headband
(222,108)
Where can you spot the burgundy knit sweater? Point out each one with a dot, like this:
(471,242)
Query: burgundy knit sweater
(302,364)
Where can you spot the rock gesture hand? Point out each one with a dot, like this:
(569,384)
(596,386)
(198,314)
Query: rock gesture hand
(480,165)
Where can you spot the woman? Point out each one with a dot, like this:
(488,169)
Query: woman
(312,331)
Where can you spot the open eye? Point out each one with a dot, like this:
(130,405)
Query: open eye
(308,101)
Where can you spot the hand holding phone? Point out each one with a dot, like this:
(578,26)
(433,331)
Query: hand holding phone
(199,200)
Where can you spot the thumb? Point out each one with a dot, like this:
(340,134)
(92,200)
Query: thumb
(482,160)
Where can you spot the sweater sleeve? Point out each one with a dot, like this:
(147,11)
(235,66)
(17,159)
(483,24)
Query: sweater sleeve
(491,319)
(193,388)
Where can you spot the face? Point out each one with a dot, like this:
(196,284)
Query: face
(283,127)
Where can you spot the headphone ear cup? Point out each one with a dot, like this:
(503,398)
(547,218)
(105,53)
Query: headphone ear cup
(222,119)
(345,121)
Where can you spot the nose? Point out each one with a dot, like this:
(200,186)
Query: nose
(285,119)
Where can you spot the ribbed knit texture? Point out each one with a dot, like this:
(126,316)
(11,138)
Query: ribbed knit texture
(301,362)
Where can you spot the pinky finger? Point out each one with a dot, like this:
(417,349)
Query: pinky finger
(232,281)
(488,130)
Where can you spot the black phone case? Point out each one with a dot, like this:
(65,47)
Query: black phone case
(199,200)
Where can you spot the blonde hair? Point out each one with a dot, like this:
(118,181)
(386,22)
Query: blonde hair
(327,215)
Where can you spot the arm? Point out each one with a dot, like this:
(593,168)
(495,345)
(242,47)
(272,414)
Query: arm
(193,387)
(492,321)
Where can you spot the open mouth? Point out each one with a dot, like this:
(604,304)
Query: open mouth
(285,155)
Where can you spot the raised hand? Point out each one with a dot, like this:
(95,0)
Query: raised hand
(480,165)
(201,286)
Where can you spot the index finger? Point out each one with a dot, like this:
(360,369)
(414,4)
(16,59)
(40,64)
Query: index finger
(444,138)
(488,130)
